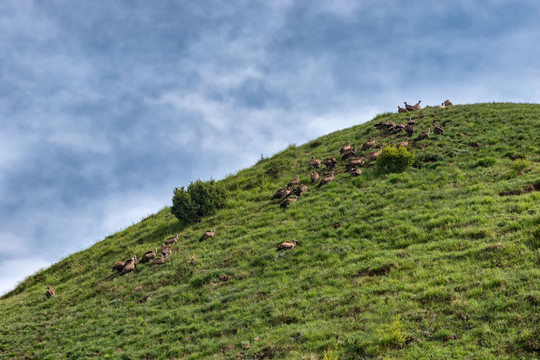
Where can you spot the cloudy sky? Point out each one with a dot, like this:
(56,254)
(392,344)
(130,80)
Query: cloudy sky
(106,106)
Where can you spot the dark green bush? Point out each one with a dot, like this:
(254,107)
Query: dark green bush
(394,159)
(201,198)
(486,161)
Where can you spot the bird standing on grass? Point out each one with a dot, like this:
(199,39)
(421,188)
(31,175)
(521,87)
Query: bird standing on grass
(208,235)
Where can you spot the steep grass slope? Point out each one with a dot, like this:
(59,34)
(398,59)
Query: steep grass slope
(429,263)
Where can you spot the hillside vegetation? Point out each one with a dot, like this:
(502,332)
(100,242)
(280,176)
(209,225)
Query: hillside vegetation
(440,261)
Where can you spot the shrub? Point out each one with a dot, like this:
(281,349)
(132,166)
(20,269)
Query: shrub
(486,161)
(519,165)
(394,159)
(200,199)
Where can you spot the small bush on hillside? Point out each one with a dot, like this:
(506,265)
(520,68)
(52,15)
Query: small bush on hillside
(519,165)
(486,161)
(394,159)
(200,199)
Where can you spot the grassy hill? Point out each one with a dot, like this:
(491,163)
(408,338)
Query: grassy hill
(440,261)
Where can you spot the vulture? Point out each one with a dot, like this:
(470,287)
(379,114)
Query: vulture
(373,156)
(417,105)
(409,129)
(282,193)
(423,135)
(356,171)
(330,162)
(293,182)
(208,234)
(287,201)
(148,256)
(49,292)
(448,102)
(345,147)
(119,265)
(171,240)
(354,163)
(314,177)
(381,125)
(299,190)
(403,144)
(327,179)
(286,245)
(315,163)
(165,250)
(401,110)
(158,261)
(410,121)
(438,130)
(368,144)
(409,107)
(349,153)
(129,266)
(399,127)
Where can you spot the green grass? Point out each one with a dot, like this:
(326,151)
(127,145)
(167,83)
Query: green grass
(428,263)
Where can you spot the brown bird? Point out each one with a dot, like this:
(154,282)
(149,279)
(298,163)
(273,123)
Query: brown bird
(282,193)
(409,107)
(373,156)
(417,105)
(438,130)
(165,250)
(448,102)
(314,177)
(293,182)
(129,266)
(423,135)
(287,201)
(172,240)
(410,121)
(401,110)
(403,144)
(355,172)
(409,129)
(327,179)
(368,144)
(49,292)
(399,127)
(354,163)
(287,245)
(148,256)
(381,125)
(119,265)
(299,190)
(330,163)
(208,235)
(315,163)
(158,261)
(345,147)
(349,153)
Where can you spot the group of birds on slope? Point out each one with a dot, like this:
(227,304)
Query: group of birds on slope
(416,106)
(347,152)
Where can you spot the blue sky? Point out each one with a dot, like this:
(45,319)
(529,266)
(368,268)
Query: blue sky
(107,106)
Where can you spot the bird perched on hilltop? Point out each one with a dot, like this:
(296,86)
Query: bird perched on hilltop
(208,235)
(368,144)
(149,255)
(438,130)
(327,179)
(448,102)
(165,250)
(417,105)
(409,107)
(129,266)
(287,245)
(401,110)
(282,193)
(423,135)
(330,163)
(299,190)
(287,202)
(315,163)
(345,147)
(172,240)
(314,177)
(294,181)
(49,292)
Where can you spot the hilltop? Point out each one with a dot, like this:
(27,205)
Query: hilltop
(439,261)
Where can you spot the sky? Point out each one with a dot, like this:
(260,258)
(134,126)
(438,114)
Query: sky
(107,106)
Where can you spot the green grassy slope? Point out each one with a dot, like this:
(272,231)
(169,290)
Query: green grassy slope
(428,263)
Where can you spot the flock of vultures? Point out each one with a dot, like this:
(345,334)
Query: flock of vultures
(294,189)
